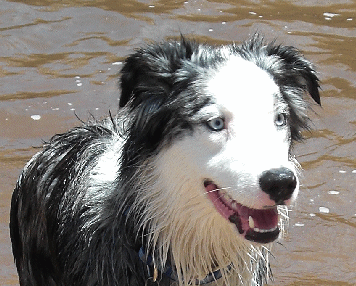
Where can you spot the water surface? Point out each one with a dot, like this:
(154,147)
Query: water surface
(60,59)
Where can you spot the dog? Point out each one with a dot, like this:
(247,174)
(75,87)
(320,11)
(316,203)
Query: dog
(186,185)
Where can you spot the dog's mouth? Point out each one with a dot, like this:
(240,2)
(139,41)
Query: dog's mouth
(258,225)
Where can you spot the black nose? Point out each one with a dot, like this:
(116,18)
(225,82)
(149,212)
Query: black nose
(279,183)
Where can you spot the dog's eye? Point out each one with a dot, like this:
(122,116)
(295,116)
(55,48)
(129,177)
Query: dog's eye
(281,119)
(216,124)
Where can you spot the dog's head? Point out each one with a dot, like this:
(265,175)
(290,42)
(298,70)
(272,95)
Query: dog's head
(219,122)
(216,126)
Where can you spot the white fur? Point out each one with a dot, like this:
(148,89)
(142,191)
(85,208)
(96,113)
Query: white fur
(106,169)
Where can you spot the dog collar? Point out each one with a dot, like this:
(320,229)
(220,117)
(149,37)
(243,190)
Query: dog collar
(171,274)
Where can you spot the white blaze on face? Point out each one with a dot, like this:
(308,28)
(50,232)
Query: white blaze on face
(249,100)
(246,95)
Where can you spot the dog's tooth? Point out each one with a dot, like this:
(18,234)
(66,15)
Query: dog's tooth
(234,205)
(251,222)
(256,229)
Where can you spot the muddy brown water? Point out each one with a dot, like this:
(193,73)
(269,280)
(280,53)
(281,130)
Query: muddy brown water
(59,60)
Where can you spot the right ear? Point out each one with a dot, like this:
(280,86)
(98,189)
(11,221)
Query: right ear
(149,73)
(138,81)
(128,73)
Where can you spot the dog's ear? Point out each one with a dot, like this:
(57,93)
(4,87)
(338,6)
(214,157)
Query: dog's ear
(140,79)
(150,72)
(296,70)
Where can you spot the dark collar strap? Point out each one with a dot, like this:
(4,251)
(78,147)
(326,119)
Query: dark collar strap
(168,270)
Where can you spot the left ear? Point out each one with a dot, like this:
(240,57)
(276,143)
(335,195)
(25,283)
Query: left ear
(296,70)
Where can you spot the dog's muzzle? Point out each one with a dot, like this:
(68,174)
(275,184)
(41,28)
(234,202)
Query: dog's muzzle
(258,225)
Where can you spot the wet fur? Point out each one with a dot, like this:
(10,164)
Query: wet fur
(85,205)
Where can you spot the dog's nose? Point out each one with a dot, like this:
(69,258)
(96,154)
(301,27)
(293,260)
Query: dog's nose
(279,183)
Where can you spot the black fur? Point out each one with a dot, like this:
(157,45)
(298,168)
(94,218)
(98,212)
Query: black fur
(58,239)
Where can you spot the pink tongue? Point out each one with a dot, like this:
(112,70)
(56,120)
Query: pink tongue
(265,219)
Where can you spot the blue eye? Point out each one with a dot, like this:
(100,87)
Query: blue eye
(216,124)
(281,119)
